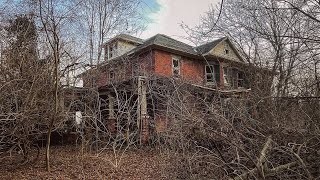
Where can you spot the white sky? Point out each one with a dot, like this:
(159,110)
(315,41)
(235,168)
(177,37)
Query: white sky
(172,13)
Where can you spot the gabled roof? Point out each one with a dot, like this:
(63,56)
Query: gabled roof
(205,48)
(167,42)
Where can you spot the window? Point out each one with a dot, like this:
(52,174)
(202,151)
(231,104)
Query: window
(212,74)
(226,76)
(175,65)
(112,48)
(110,52)
(111,74)
(209,74)
(226,48)
(234,78)
(240,79)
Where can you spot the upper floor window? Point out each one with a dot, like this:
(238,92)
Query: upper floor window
(175,65)
(226,48)
(111,50)
(212,74)
(111,74)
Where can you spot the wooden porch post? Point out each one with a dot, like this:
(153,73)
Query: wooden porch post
(111,124)
(142,114)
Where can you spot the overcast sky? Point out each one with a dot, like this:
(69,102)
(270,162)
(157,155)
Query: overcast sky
(167,15)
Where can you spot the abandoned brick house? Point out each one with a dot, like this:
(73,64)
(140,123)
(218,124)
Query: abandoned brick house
(130,62)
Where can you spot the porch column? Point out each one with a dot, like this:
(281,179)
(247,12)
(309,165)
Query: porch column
(222,65)
(111,124)
(142,114)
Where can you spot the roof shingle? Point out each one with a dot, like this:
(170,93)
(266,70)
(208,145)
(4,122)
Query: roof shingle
(205,48)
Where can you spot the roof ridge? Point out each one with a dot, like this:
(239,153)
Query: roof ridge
(126,37)
(174,39)
(217,40)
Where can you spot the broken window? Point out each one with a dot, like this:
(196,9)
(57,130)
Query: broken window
(209,74)
(175,65)
(233,77)
(212,74)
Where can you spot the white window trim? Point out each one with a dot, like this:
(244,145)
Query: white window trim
(226,78)
(114,50)
(176,58)
(212,73)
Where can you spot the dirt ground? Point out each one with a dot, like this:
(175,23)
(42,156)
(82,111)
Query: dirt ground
(68,163)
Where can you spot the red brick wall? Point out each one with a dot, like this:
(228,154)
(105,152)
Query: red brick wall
(190,69)
(102,79)
(163,63)
(126,69)
(144,64)
(157,62)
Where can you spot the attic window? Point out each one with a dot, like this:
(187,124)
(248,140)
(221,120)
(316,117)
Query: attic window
(226,48)
(175,65)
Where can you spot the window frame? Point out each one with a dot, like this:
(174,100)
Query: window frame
(111,74)
(211,67)
(215,73)
(226,48)
(178,68)
(240,81)
(234,77)
(112,48)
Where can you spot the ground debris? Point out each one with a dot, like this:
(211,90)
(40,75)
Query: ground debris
(68,163)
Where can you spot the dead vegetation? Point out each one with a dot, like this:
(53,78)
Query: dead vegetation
(68,163)
(202,133)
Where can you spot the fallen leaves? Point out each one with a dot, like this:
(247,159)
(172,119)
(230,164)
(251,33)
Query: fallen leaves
(68,163)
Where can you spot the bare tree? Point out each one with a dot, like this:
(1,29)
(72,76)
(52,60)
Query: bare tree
(271,34)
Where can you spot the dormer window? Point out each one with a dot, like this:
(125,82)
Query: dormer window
(111,50)
(226,48)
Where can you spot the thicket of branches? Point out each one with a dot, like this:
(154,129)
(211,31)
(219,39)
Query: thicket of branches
(267,133)
(280,139)
(45,44)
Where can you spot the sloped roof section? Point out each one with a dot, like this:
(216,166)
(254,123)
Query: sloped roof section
(127,37)
(167,42)
(206,48)
(164,41)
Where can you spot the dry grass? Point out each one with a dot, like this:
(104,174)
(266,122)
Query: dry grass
(68,163)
